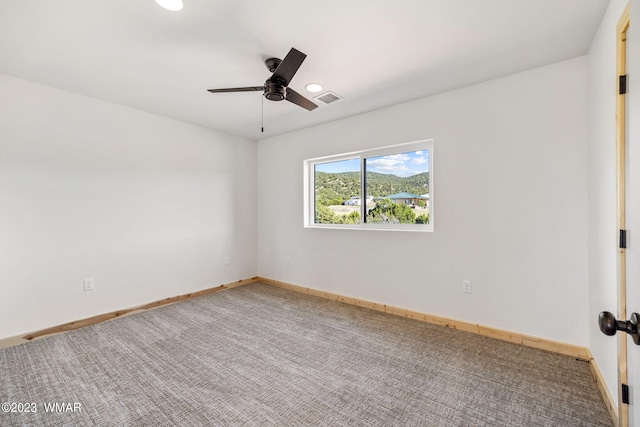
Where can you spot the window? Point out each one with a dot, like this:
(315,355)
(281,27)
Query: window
(388,188)
(337,188)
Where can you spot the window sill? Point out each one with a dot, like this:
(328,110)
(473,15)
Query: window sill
(374,227)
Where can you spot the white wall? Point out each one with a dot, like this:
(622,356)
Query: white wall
(147,206)
(602,191)
(510,199)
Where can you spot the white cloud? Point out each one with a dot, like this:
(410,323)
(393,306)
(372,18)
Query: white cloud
(419,160)
(404,164)
(393,163)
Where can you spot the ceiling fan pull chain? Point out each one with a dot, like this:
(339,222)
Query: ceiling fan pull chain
(262,113)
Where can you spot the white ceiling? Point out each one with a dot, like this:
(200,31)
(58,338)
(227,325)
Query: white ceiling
(374,53)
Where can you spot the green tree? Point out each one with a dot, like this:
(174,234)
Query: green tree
(403,213)
(388,212)
(324,215)
(351,218)
(422,219)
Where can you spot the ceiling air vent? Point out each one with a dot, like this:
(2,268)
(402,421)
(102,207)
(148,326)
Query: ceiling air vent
(328,97)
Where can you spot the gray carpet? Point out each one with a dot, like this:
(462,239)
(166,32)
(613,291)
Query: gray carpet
(259,355)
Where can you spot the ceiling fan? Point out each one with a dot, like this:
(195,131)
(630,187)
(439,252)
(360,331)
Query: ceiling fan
(276,87)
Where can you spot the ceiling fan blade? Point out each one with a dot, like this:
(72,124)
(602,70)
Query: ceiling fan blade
(288,67)
(237,89)
(296,98)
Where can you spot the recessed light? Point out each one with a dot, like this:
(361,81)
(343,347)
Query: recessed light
(314,87)
(174,5)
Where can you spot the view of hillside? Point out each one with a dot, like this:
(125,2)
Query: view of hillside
(335,188)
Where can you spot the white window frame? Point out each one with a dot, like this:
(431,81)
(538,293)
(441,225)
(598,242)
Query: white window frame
(309,187)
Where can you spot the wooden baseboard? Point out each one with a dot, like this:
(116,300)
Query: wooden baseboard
(578,352)
(610,403)
(11,341)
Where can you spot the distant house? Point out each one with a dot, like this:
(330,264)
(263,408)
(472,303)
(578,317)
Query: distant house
(426,201)
(405,198)
(355,201)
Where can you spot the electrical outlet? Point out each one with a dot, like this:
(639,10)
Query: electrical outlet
(466,286)
(88,284)
(227,261)
(288,260)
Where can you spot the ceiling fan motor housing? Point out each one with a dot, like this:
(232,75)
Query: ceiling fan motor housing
(274,91)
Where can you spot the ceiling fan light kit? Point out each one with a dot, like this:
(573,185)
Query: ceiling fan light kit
(173,5)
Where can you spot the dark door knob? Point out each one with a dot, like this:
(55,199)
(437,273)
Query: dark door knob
(609,325)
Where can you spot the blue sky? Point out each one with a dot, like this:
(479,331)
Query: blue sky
(403,164)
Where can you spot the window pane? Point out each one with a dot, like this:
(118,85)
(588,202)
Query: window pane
(397,188)
(337,192)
